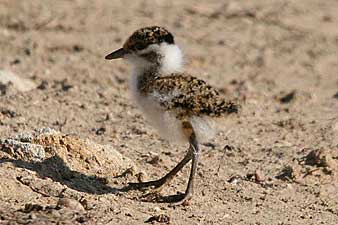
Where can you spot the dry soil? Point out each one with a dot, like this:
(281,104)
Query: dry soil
(274,163)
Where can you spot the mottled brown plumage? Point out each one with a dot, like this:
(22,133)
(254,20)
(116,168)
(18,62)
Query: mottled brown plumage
(187,96)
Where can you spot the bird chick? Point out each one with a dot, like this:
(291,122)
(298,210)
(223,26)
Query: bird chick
(179,105)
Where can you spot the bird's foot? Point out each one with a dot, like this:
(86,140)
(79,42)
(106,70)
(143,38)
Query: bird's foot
(182,199)
(155,185)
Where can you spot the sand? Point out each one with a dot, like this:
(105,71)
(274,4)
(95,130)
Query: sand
(274,163)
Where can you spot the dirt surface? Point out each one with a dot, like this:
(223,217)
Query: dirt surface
(274,163)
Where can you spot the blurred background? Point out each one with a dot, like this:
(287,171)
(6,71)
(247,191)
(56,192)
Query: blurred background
(279,58)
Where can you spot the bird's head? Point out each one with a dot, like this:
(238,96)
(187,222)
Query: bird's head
(150,47)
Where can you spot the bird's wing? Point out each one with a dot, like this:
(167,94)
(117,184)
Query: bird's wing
(187,96)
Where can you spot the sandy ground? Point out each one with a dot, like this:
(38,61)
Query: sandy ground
(274,163)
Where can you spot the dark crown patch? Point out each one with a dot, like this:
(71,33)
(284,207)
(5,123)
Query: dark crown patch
(146,36)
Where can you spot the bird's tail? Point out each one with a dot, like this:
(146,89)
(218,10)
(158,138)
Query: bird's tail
(230,107)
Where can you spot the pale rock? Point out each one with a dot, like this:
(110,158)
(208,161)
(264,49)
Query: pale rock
(19,83)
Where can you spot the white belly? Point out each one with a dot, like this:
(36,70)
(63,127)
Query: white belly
(168,126)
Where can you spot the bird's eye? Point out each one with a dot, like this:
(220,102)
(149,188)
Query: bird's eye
(169,38)
(139,46)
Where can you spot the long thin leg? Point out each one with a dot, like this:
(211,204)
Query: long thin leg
(195,155)
(156,184)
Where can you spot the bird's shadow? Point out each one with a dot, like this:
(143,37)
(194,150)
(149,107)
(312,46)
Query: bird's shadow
(157,198)
(56,169)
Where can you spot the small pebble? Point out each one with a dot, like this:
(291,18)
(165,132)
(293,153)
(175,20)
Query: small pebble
(162,218)
(70,204)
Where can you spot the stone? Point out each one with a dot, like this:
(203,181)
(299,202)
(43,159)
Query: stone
(8,78)
(71,204)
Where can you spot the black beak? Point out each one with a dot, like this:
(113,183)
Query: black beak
(116,54)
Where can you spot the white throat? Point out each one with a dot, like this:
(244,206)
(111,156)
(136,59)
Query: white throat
(171,60)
